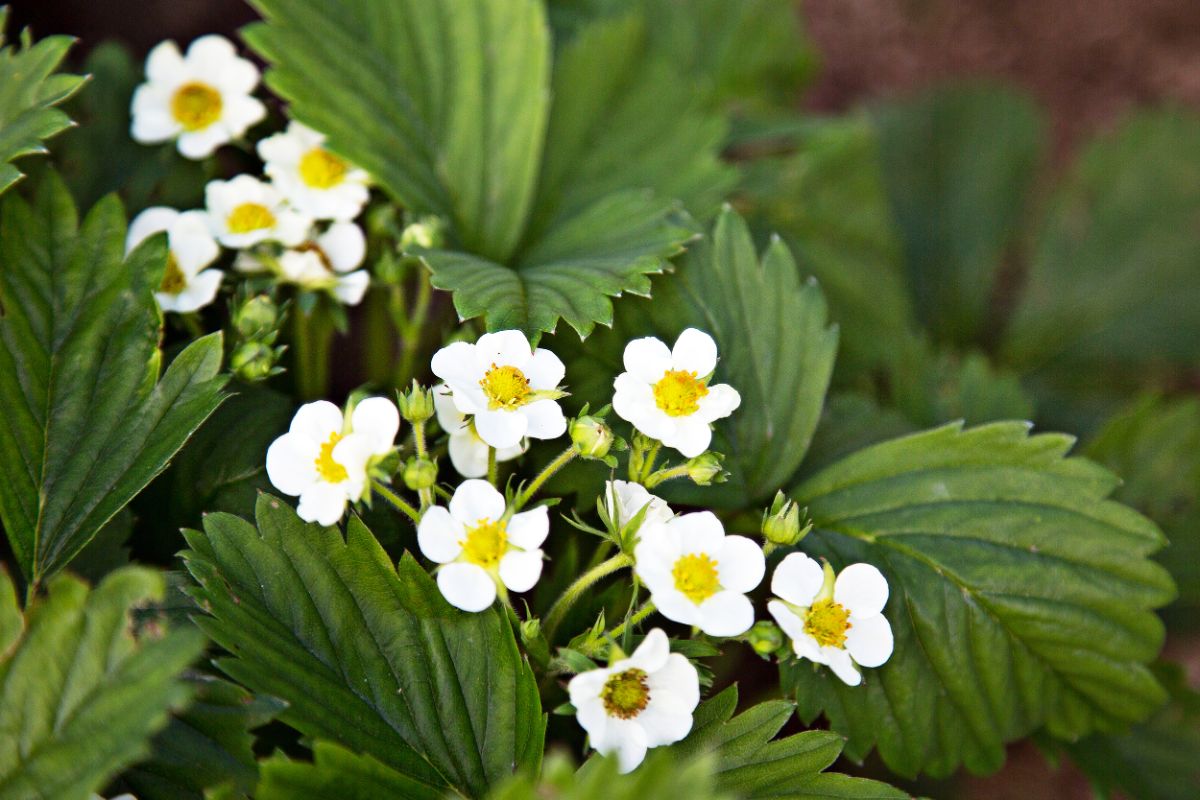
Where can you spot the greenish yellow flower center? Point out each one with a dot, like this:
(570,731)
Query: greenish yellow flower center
(696,576)
(486,543)
(626,694)
(321,169)
(678,392)
(505,387)
(827,622)
(330,470)
(250,217)
(196,105)
(174,281)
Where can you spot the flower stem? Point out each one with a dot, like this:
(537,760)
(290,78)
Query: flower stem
(664,475)
(560,461)
(397,501)
(631,622)
(311,337)
(648,464)
(422,452)
(493,471)
(584,582)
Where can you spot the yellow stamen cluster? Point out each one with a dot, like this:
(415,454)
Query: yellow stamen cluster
(625,695)
(678,392)
(696,576)
(486,543)
(196,105)
(174,281)
(330,470)
(250,217)
(505,387)
(827,622)
(321,169)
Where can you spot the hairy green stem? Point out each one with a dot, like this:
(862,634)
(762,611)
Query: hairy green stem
(560,461)
(396,500)
(584,582)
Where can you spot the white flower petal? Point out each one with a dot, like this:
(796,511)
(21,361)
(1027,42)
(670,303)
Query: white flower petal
(211,51)
(797,579)
(201,144)
(344,244)
(694,351)
(546,420)
(466,586)
(476,500)
(587,686)
(317,420)
(647,359)
(699,532)
(545,370)
(862,589)
(377,419)
(192,243)
(787,620)
(151,125)
(199,292)
(241,113)
(633,400)
(678,678)
(449,417)
(675,606)
(869,640)
(651,654)
(691,436)
(664,725)
(528,529)
(520,570)
(504,348)
(721,401)
(439,534)
(165,64)
(843,667)
(155,219)
(590,713)
(501,428)
(455,363)
(350,288)
(726,614)
(323,503)
(291,463)
(237,76)
(468,453)
(740,564)
(631,748)
(291,227)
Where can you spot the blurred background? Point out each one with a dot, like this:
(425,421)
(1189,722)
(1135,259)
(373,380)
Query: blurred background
(1027,104)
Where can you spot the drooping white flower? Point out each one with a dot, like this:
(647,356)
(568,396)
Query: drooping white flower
(468,453)
(245,211)
(324,457)
(324,263)
(202,99)
(639,702)
(186,285)
(666,394)
(314,180)
(838,622)
(624,499)
(508,387)
(478,549)
(699,576)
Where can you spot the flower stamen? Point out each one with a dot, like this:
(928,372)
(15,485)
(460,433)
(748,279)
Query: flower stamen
(196,105)
(486,543)
(321,169)
(827,622)
(696,577)
(173,281)
(249,217)
(505,387)
(330,470)
(678,392)
(625,695)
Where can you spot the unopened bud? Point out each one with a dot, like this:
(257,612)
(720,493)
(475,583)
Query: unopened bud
(253,361)
(420,473)
(765,637)
(427,233)
(535,642)
(416,405)
(781,522)
(591,436)
(706,469)
(256,318)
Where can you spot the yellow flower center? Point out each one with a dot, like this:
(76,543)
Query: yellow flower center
(486,543)
(696,576)
(505,387)
(250,217)
(827,622)
(330,470)
(174,281)
(196,105)
(321,169)
(626,694)
(678,392)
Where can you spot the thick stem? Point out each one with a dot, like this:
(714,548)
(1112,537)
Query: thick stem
(493,470)
(560,461)
(584,582)
(396,500)
(664,475)
(410,324)
(422,449)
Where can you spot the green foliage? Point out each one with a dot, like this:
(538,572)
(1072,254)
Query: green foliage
(1021,596)
(79,695)
(932,388)
(87,422)
(367,656)
(660,777)
(337,772)
(751,764)
(29,92)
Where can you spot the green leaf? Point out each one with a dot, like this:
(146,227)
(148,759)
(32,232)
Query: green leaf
(750,763)
(936,387)
(659,776)
(337,772)
(1021,596)
(79,695)
(87,421)
(29,92)
(958,164)
(205,746)
(366,656)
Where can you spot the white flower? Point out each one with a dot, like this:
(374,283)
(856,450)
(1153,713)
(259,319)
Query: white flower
(186,285)
(478,549)
(509,388)
(835,622)
(245,211)
(324,457)
(326,263)
(699,576)
(203,98)
(666,395)
(624,499)
(314,180)
(468,453)
(639,702)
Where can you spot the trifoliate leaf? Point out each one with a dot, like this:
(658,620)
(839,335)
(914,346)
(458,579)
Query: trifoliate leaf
(79,696)
(751,763)
(29,92)
(366,656)
(87,420)
(1021,596)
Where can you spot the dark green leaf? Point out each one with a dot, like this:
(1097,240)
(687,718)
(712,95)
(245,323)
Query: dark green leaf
(368,658)
(1021,596)
(87,422)
(933,388)
(337,772)
(79,696)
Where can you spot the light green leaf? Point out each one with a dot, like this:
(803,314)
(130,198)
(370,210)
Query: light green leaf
(367,657)
(958,165)
(750,763)
(29,90)
(1021,596)
(337,772)
(79,695)
(87,423)
(659,777)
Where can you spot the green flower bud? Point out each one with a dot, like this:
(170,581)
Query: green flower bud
(765,637)
(416,405)
(705,469)
(256,318)
(427,233)
(420,473)
(781,522)
(254,361)
(591,436)
(535,641)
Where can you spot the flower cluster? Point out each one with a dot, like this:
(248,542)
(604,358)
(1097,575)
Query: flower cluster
(296,226)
